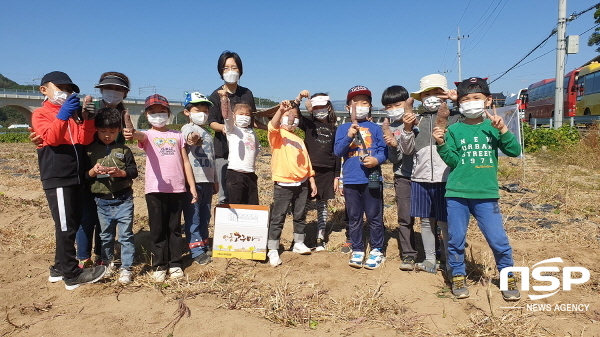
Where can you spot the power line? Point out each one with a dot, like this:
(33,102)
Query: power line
(447,41)
(487,18)
(576,15)
(590,29)
(488,29)
(524,57)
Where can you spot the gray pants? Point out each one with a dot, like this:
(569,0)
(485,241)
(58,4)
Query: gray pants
(282,197)
(221,167)
(406,232)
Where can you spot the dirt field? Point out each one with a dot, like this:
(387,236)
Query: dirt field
(315,295)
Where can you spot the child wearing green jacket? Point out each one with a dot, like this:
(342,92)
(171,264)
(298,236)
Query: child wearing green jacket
(470,150)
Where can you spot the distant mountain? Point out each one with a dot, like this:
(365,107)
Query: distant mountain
(7,83)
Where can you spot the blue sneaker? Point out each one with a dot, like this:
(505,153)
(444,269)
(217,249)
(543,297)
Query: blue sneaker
(375,259)
(356,260)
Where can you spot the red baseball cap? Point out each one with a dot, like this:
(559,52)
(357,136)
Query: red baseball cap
(358,90)
(157,99)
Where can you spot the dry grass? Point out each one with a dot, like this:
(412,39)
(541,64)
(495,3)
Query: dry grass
(509,325)
(297,303)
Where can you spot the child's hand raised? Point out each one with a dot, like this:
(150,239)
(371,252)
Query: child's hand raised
(128,134)
(193,138)
(497,121)
(353,130)
(438,135)
(285,106)
(303,94)
(451,95)
(390,140)
(222,94)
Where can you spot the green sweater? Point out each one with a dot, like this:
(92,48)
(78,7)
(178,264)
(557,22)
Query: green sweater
(113,155)
(471,151)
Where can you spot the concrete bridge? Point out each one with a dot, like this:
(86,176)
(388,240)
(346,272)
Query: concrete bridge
(25,101)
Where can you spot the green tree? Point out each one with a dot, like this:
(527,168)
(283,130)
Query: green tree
(594,39)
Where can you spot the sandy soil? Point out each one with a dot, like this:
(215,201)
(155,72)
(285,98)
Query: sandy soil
(317,295)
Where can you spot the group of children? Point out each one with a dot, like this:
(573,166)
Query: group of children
(444,170)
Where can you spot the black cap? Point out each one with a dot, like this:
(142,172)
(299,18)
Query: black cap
(113,80)
(58,77)
(462,88)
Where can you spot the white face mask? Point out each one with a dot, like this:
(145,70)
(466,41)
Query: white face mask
(112,97)
(432,103)
(395,114)
(231,76)
(159,119)
(242,121)
(321,114)
(59,97)
(472,109)
(362,112)
(198,118)
(286,121)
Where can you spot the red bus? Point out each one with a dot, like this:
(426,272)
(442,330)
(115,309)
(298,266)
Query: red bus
(520,100)
(540,97)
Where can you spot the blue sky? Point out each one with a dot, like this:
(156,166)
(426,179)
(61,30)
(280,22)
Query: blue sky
(286,46)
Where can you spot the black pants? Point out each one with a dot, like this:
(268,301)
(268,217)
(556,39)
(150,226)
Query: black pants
(65,205)
(282,197)
(242,188)
(164,218)
(406,232)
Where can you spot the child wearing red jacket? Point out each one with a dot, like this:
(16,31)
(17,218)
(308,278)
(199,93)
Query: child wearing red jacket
(61,165)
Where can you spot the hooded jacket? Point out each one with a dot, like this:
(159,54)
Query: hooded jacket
(428,167)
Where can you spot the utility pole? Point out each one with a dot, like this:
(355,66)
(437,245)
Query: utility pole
(560,63)
(458,38)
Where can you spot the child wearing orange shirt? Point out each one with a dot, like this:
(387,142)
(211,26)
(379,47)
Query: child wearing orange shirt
(292,172)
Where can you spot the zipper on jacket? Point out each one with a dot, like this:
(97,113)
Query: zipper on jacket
(431,144)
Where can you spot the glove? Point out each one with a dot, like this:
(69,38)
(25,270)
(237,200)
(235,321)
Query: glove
(69,107)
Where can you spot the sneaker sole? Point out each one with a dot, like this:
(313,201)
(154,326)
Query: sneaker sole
(511,299)
(75,286)
(303,252)
(407,267)
(319,249)
(462,295)
(55,279)
(376,266)
(355,265)
(279,262)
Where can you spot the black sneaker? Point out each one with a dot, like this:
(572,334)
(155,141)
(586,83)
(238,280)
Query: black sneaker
(55,275)
(203,259)
(408,263)
(88,275)
(459,286)
(512,294)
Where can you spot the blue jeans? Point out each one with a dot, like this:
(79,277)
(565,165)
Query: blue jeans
(89,229)
(196,217)
(489,219)
(113,214)
(360,199)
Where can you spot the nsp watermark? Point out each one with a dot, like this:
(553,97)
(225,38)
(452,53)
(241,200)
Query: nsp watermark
(539,275)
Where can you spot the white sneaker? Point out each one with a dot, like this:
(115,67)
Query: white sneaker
(124,276)
(175,273)
(273,256)
(375,259)
(301,248)
(159,276)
